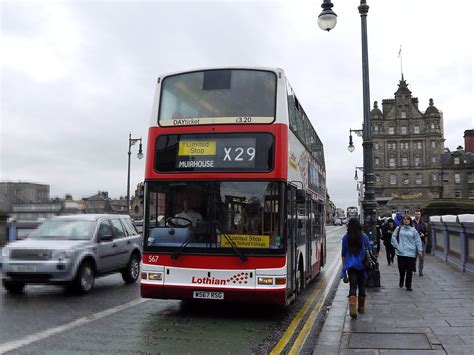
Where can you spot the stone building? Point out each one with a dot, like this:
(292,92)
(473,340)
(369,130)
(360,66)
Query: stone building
(408,145)
(458,170)
(21,192)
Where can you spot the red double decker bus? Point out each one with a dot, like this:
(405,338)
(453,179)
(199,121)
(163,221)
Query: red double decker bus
(234,191)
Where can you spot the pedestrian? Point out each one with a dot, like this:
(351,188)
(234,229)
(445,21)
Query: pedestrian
(422,231)
(407,244)
(354,245)
(398,219)
(387,231)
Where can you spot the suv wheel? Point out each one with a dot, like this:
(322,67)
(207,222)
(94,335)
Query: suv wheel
(132,271)
(84,281)
(14,287)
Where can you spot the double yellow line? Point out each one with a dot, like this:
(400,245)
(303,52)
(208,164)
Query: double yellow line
(290,331)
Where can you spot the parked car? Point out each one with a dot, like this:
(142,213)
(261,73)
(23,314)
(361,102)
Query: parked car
(338,222)
(73,251)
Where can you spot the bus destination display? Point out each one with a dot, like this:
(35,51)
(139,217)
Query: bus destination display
(214,152)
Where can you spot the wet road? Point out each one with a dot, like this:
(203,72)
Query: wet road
(114,319)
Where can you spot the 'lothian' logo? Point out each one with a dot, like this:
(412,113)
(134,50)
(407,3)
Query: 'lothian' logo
(240,278)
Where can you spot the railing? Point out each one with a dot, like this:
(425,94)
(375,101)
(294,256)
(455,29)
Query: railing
(453,240)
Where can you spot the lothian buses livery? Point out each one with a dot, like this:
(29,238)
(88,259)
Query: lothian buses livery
(234,191)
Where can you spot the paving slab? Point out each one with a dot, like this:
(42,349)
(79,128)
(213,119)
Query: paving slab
(437,317)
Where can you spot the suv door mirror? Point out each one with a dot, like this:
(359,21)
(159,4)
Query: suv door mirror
(106,237)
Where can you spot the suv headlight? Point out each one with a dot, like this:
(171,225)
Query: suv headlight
(5,252)
(62,254)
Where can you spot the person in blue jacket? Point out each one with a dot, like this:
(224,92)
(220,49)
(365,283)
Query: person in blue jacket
(354,245)
(407,243)
(397,221)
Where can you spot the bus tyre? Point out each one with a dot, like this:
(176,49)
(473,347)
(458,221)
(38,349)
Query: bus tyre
(299,280)
(14,287)
(85,279)
(132,271)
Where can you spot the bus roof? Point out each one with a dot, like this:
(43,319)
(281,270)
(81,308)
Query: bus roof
(275,70)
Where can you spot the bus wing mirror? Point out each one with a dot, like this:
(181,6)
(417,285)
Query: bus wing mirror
(300,196)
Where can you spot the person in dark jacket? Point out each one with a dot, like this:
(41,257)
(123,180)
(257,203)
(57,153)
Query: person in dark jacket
(354,245)
(420,227)
(407,244)
(387,231)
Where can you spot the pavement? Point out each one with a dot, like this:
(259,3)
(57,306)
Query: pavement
(437,317)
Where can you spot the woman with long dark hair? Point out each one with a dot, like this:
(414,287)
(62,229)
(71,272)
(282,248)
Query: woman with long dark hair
(354,245)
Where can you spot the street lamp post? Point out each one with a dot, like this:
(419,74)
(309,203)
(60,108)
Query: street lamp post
(327,21)
(132,141)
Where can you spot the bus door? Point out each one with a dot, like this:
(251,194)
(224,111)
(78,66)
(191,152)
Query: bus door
(291,238)
(303,240)
(309,237)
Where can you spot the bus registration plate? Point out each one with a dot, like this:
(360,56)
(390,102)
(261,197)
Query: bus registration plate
(208,295)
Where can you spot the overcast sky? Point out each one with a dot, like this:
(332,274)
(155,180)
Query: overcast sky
(78,76)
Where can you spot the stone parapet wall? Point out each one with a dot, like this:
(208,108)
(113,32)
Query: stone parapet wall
(453,240)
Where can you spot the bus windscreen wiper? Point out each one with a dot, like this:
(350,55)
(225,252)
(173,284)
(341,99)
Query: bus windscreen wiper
(177,253)
(235,247)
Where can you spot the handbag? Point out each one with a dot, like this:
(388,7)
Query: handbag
(369,260)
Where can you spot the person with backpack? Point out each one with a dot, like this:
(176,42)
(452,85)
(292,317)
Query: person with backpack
(407,244)
(354,245)
(420,227)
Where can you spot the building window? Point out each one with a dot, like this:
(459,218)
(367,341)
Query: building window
(391,130)
(376,128)
(457,193)
(403,114)
(417,145)
(377,178)
(407,211)
(376,146)
(393,179)
(456,160)
(406,179)
(445,177)
(392,145)
(470,178)
(433,159)
(404,129)
(404,145)
(471,195)
(434,176)
(417,161)
(377,161)
(457,178)
(433,125)
(419,179)
(433,144)
(391,162)
(404,161)
(416,129)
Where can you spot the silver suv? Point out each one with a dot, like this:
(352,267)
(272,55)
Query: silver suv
(73,251)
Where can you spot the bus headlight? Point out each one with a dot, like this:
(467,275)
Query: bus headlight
(265,280)
(152,276)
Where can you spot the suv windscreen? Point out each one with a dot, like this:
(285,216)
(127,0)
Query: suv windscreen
(215,216)
(64,229)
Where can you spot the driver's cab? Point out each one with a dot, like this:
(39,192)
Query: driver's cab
(183,220)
